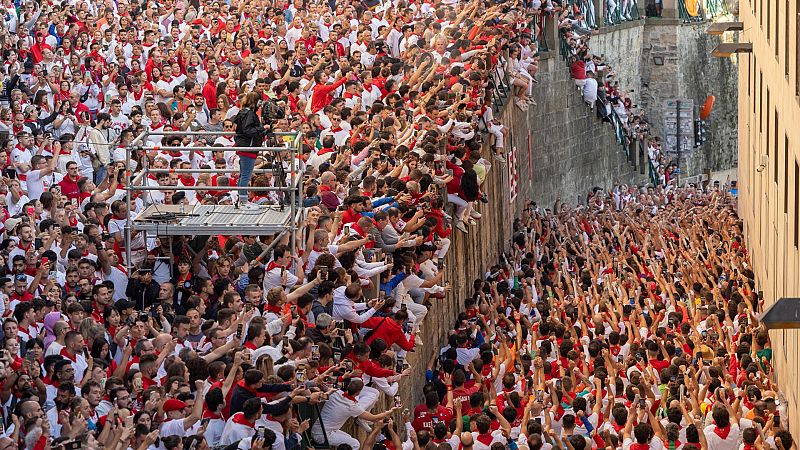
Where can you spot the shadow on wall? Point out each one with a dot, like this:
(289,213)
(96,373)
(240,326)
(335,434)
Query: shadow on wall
(702,75)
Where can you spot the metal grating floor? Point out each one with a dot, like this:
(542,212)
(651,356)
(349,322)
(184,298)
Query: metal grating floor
(206,220)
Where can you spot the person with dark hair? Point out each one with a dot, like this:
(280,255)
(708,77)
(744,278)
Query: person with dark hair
(724,433)
(341,406)
(250,132)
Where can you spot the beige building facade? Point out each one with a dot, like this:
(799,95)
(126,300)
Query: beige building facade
(769,168)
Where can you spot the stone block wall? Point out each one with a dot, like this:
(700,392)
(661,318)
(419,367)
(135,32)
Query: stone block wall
(622,48)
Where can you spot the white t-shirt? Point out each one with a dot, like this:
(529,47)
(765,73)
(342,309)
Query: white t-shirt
(655,444)
(731,441)
(337,411)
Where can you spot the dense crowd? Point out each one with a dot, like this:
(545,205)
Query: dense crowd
(195,341)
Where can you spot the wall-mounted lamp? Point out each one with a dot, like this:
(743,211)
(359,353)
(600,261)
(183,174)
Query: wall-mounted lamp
(727,49)
(781,315)
(658,60)
(721,27)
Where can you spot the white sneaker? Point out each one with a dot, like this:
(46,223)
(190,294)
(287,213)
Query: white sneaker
(472,221)
(460,225)
(475,215)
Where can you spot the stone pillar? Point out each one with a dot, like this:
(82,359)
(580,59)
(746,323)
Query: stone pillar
(670,10)
(551,34)
(600,12)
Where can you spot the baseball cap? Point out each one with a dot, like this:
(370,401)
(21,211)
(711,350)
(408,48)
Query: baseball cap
(173,405)
(11,223)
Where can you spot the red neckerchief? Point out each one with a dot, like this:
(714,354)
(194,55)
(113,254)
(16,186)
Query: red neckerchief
(672,445)
(208,414)
(250,345)
(273,265)
(247,388)
(722,432)
(66,354)
(273,309)
(486,439)
(349,397)
(638,446)
(242,420)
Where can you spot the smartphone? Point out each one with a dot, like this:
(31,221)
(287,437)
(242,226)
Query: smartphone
(642,403)
(37,242)
(440,263)
(260,432)
(30,210)
(323,274)
(346,230)
(45,261)
(72,445)
(248,307)
(239,330)
(406,366)
(300,375)
(389,258)
(294,311)
(348,365)
(776,420)
(283,272)
(315,352)
(397,401)
(403,307)
(337,355)
(286,342)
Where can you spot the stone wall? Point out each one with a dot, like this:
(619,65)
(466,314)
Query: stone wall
(686,69)
(622,48)
(689,71)
(702,75)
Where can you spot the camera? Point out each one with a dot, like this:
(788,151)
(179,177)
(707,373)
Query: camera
(271,111)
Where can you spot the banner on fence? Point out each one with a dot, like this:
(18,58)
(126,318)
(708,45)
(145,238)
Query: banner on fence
(513,175)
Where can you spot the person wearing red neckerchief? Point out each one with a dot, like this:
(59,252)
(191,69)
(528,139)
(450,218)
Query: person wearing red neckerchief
(341,406)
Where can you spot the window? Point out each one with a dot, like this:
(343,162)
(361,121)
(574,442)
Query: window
(796,47)
(760,101)
(786,40)
(765,113)
(786,173)
(796,198)
(769,22)
(775,169)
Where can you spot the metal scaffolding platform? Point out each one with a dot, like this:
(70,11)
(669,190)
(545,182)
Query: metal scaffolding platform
(282,149)
(206,220)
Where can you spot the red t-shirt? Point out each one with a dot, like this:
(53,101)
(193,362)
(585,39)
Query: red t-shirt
(424,419)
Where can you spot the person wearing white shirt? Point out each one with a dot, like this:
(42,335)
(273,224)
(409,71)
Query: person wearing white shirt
(38,179)
(590,89)
(341,406)
(724,433)
(242,425)
(279,268)
(176,424)
(344,308)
